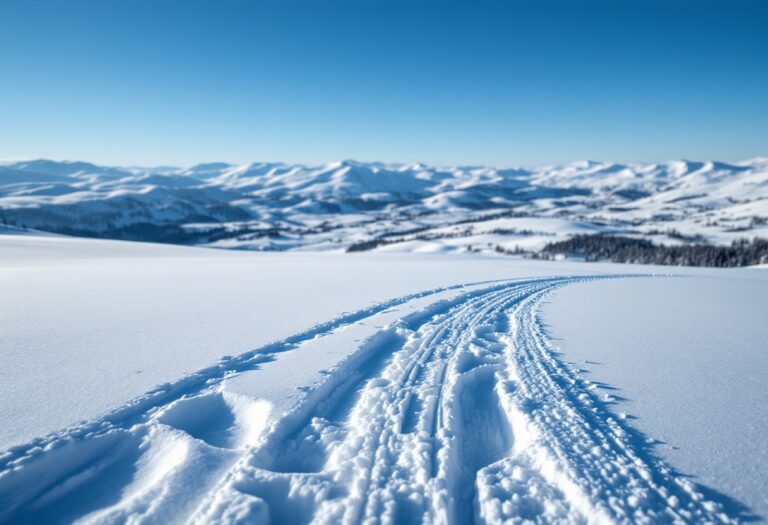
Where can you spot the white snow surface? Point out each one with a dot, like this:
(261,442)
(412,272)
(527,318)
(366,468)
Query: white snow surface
(153,384)
(105,321)
(688,357)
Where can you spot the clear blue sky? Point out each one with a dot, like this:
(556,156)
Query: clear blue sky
(503,83)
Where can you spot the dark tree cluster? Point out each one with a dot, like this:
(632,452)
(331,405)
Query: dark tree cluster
(601,247)
(385,239)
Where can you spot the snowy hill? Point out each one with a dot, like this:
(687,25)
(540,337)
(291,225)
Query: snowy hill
(147,383)
(274,206)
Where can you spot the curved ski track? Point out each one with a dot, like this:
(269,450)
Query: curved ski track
(458,413)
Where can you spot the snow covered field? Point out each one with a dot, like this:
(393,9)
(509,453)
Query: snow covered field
(692,369)
(149,383)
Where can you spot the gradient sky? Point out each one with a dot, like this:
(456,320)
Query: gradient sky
(148,82)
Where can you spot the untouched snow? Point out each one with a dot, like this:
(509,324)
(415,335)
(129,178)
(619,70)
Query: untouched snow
(149,383)
(690,359)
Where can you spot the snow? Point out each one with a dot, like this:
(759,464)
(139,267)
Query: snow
(687,358)
(152,383)
(105,321)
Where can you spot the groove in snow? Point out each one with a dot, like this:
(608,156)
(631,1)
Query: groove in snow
(459,412)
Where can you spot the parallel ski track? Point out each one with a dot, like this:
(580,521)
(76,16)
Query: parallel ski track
(138,409)
(460,413)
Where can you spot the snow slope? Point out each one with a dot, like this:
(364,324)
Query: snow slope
(106,321)
(274,206)
(290,388)
(693,372)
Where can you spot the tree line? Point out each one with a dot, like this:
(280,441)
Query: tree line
(602,247)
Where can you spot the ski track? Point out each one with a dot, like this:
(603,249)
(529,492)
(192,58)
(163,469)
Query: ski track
(458,413)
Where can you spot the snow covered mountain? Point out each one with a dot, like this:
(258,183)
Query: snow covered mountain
(375,206)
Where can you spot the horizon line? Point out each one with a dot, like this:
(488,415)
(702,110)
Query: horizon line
(12,161)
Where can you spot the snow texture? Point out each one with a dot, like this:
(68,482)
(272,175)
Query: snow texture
(686,357)
(444,401)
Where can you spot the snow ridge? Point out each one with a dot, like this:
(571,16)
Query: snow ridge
(457,412)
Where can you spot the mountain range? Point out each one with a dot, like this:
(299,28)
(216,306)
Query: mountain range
(352,206)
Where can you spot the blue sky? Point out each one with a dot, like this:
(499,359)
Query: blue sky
(502,83)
